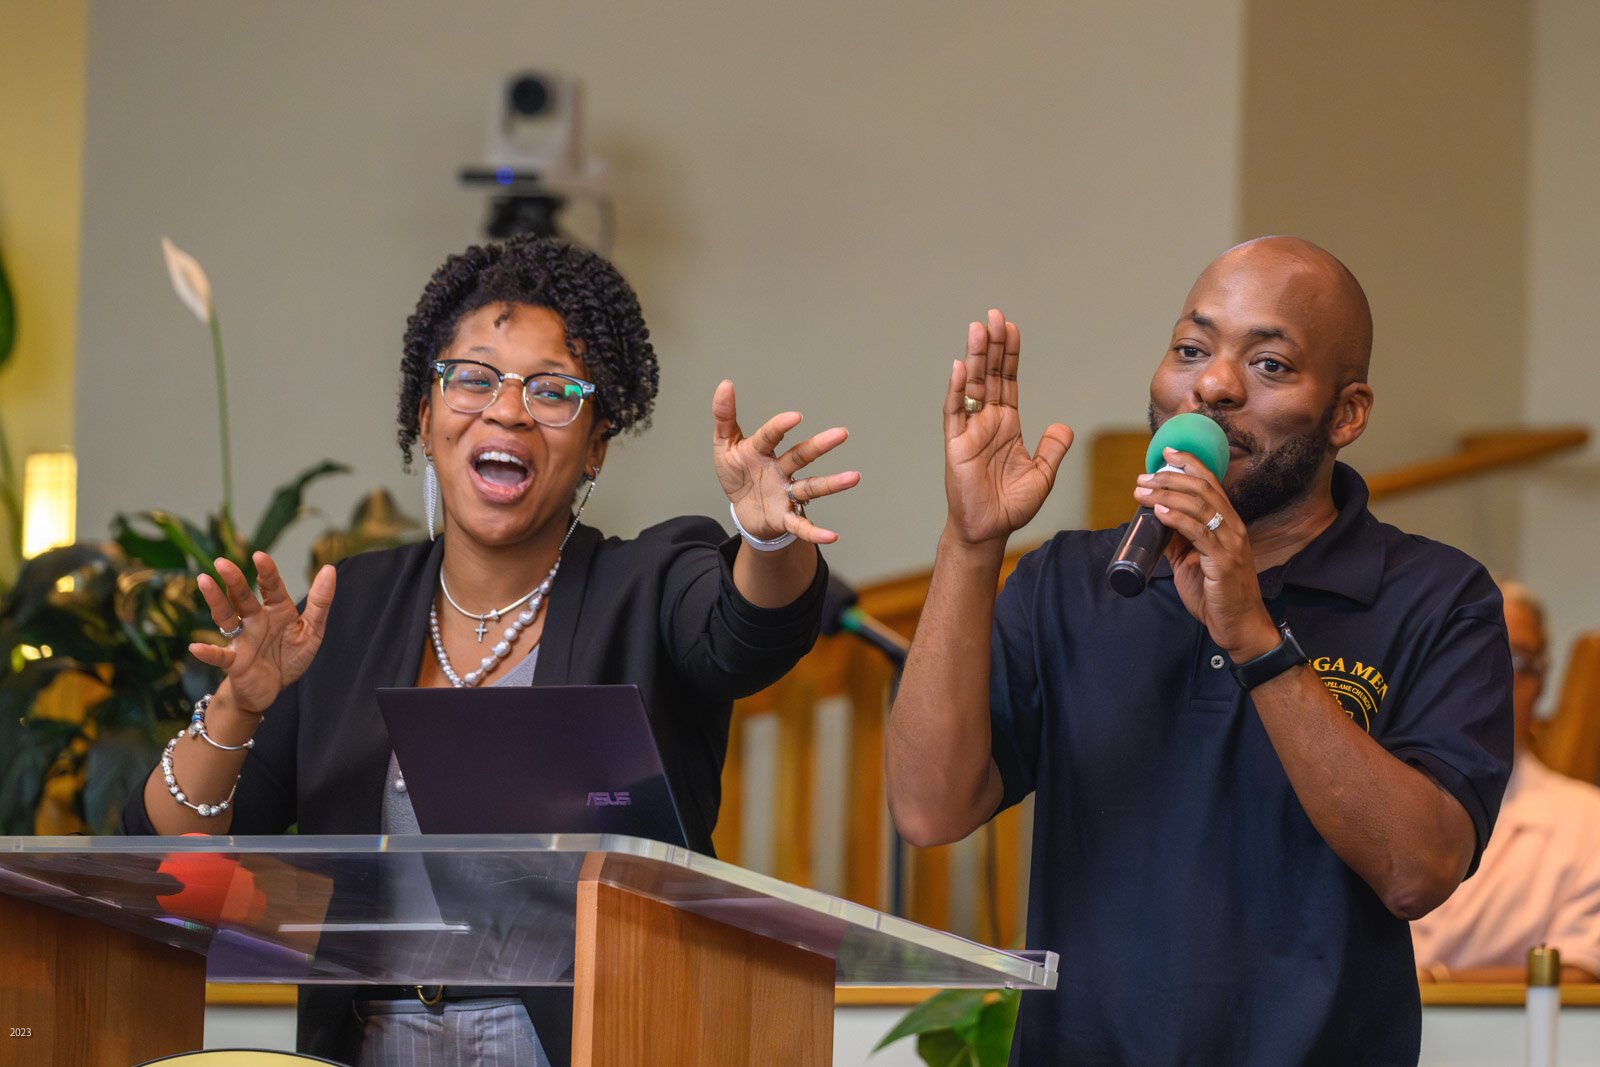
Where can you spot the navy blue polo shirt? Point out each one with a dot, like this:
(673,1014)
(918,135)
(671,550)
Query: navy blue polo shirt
(1200,918)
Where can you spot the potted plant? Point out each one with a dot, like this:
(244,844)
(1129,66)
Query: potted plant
(961,1027)
(94,664)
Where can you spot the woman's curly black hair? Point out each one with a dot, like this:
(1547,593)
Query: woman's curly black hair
(605,328)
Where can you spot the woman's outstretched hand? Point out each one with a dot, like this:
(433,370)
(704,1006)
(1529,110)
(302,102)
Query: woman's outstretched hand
(762,483)
(277,643)
(992,485)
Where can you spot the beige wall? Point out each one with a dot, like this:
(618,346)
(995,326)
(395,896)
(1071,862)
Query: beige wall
(1396,135)
(813,200)
(41,152)
(815,205)
(1561,502)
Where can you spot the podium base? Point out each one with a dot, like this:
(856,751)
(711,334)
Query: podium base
(658,985)
(77,993)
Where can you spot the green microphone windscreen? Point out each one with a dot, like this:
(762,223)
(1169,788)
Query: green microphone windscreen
(1195,434)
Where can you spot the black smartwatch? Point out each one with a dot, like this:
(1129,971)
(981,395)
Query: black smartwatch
(1269,665)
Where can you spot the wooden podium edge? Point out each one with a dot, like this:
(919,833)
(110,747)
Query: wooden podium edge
(661,985)
(1447,994)
(82,991)
(262,995)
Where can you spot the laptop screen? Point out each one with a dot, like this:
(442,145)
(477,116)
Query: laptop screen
(575,759)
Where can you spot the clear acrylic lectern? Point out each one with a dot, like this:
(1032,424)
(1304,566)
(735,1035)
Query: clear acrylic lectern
(106,942)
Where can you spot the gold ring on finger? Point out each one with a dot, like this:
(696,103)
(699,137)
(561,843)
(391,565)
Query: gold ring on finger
(971,405)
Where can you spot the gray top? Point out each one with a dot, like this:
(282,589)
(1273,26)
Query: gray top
(502,1030)
(416,904)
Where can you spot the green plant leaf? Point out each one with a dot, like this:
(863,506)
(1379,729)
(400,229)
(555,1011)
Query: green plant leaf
(30,749)
(996,1024)
(36,582)
(158,553)
(19,690)
(196,546)
(131,707)
(8,318)
(942,1048)
(948,1009)
(287,503)
(117,765)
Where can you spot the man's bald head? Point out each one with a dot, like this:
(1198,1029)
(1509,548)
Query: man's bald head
(1273,344)
(1314,286)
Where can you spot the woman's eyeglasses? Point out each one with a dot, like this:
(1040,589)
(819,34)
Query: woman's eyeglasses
(470,387)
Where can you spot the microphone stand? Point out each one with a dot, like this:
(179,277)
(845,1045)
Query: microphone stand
(894,648)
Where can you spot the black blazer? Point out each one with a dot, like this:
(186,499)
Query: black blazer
(659,611)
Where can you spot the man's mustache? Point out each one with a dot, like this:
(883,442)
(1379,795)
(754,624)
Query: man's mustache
(1236,437)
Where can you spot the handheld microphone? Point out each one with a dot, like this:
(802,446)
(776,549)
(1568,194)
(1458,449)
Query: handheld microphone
(839,613)
(1147,538)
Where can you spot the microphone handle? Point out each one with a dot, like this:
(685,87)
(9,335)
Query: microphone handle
(876,634)
(1138,553)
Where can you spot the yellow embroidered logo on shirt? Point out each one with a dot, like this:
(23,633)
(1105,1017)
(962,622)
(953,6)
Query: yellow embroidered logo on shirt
(1359,687)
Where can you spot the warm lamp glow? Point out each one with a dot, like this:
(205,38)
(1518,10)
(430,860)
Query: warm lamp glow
(49,502)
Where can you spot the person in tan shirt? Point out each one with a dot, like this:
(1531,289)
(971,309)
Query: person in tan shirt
(1539,882)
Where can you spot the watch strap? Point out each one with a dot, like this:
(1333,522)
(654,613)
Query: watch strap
(1270,664)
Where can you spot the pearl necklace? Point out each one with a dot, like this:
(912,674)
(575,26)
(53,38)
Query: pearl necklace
(501,648)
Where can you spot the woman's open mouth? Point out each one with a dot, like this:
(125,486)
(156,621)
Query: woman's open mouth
(500,476)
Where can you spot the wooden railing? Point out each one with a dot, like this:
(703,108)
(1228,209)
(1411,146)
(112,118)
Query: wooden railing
(843,668)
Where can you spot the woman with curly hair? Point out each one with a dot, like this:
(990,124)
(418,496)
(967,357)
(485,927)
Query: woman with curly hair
(521,362)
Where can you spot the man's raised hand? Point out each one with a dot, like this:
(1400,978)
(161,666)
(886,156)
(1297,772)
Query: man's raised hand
(992,485)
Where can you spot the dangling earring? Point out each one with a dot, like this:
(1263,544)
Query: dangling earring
(593,476)
(430,492)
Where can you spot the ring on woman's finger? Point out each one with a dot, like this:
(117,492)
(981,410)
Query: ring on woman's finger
(971,405)
(1216,520)
(795,505)
(236,631)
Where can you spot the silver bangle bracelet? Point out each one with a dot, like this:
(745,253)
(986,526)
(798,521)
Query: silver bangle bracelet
(756,542)
(197,728)
(203,810)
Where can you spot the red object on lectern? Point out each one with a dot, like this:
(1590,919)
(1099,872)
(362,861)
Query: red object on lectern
(216,889)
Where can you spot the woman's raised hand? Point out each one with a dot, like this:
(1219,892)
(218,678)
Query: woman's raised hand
(761,482)
(992,485)
(277,642)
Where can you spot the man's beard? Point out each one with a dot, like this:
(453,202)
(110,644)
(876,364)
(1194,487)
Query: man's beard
(1278,478)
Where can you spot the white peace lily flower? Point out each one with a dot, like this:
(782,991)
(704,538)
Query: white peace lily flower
(188,280)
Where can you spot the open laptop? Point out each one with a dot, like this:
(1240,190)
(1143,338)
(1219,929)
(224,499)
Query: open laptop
(571,759)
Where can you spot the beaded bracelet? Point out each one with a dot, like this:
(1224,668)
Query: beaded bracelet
(756,542)
(204,810)
(197,728)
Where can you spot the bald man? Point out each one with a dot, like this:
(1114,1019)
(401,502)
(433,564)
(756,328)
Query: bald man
(1249,777)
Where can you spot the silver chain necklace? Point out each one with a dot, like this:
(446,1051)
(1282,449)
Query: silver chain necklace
(494,616)
(502,648)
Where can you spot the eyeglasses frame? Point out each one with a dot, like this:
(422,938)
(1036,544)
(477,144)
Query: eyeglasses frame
(1534,665)
(441,367)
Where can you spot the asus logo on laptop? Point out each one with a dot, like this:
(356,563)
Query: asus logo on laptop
(619,799)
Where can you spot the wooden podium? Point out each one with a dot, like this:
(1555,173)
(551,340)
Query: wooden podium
(674,958)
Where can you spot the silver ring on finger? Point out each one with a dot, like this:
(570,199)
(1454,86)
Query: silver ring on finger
(795,505)
(1216,520)
(236,631)
(971,405)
